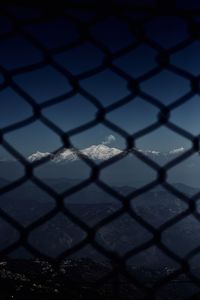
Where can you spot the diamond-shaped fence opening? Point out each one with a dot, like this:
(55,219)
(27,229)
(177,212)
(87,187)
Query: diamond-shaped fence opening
(55,84)
(72,71)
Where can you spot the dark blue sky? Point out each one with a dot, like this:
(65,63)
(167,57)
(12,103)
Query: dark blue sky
(46,83)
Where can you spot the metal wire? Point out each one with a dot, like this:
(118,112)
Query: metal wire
(134,85)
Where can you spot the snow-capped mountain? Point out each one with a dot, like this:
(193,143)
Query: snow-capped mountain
(98,152)
(65,155)
(101,152)
(39,155)
(94,152)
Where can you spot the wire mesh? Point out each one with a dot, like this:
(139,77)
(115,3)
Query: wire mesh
(137,28)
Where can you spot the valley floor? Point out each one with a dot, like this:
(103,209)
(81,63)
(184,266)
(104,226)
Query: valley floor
(77,280)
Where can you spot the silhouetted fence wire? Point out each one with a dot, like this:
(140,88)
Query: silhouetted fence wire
(136,26)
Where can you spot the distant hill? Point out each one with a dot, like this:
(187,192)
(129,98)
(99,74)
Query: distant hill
(28,203)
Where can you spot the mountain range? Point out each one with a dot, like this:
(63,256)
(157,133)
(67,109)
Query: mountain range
(99,152)
(65,169)
(28,203)
(128,170)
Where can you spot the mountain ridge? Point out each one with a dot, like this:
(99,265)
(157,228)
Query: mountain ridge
(97,152)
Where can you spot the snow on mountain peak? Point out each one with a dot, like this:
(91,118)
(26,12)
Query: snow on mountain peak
(96,152)
(148,152)
(100,152)
(65,154)
(38,155)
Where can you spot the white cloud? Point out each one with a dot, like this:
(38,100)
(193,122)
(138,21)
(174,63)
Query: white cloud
(109,139)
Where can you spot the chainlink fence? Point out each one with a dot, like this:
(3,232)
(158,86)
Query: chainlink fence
(136,17)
